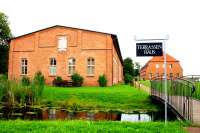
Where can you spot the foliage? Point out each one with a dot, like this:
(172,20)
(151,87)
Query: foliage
(5,34)
(3,85)
(25,81)
(130,69)
(128,78)
(38,85)
(25,92)
(118,97)
(136,69)
(81,126)
(145,82)
(58,81)
(77,80)
(128,66)
(102,80)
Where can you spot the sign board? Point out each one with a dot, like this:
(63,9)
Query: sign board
(149,49)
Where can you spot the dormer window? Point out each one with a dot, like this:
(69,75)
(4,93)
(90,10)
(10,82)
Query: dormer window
(62,43)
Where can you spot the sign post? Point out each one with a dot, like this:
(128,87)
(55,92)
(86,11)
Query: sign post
(154,47)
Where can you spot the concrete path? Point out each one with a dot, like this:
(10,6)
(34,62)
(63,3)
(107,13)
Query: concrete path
(193,129)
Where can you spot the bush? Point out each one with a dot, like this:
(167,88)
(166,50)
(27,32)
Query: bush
(58,81)
(128,78)
(25,81)
(77,80)
(3,86)
(102,80)
(12,92)
(38,86)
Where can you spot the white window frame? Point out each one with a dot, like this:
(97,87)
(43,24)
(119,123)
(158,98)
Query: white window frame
(157,66)
(90,66)
(62,43)
(52,67)
(150,75)
(71,66)
(24,66)
(170,66)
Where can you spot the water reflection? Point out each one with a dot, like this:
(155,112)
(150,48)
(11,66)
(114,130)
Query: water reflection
(136,117)
(63,114)
(60,114)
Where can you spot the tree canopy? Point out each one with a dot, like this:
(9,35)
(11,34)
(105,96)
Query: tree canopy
(131,70)
(5,35)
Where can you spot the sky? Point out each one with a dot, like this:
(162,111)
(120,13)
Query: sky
(179,19)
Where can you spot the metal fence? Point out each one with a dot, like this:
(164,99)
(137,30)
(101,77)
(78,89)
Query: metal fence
(181,93)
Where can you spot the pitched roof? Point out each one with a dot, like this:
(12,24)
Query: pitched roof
(169,58)
(62,27)
(114,38)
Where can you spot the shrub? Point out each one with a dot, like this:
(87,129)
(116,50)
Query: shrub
(37,86)
(128,78)
(25,81)
(77,80)
(102,80)
(3,86)
(58,81)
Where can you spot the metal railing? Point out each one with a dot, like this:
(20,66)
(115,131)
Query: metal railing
(180,91)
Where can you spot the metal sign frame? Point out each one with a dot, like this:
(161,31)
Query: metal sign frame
(163,40)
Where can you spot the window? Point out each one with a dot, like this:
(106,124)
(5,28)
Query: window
(170,66)
(177,75)
(62,43)
(171,75)
(71,66)
(150,75)
(157,65)
(90,66)
(24,66)
(52,68)
(157,75)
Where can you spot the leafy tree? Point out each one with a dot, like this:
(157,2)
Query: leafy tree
(128,70)
(136,69)
(5,35)
(128,66)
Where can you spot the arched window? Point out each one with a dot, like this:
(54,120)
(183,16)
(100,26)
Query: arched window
(90,66)
(52,67)
(71,66)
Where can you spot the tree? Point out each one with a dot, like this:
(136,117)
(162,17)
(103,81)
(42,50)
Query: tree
(128,66)
(5,35)
(136,69)
(128,70)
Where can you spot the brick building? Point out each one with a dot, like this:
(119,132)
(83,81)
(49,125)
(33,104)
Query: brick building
(62,51)
(155,68)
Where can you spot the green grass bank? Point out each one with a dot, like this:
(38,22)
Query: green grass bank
(123,98)
(78,126)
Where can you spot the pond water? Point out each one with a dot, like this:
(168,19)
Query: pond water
(114,116)
(62,114)
(136,117)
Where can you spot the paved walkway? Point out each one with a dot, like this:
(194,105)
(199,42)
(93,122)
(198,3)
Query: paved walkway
(193,129)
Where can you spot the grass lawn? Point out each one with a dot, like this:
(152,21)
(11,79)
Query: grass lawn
(123,98)
(145,82)
(78,126)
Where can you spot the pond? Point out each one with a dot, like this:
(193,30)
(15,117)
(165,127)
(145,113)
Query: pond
(31,113)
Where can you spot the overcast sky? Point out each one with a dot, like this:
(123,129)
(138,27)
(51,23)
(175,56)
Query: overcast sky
(180,19)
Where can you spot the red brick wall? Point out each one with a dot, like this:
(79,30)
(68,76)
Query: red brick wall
(117,68)
(40,46)
(151,68)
